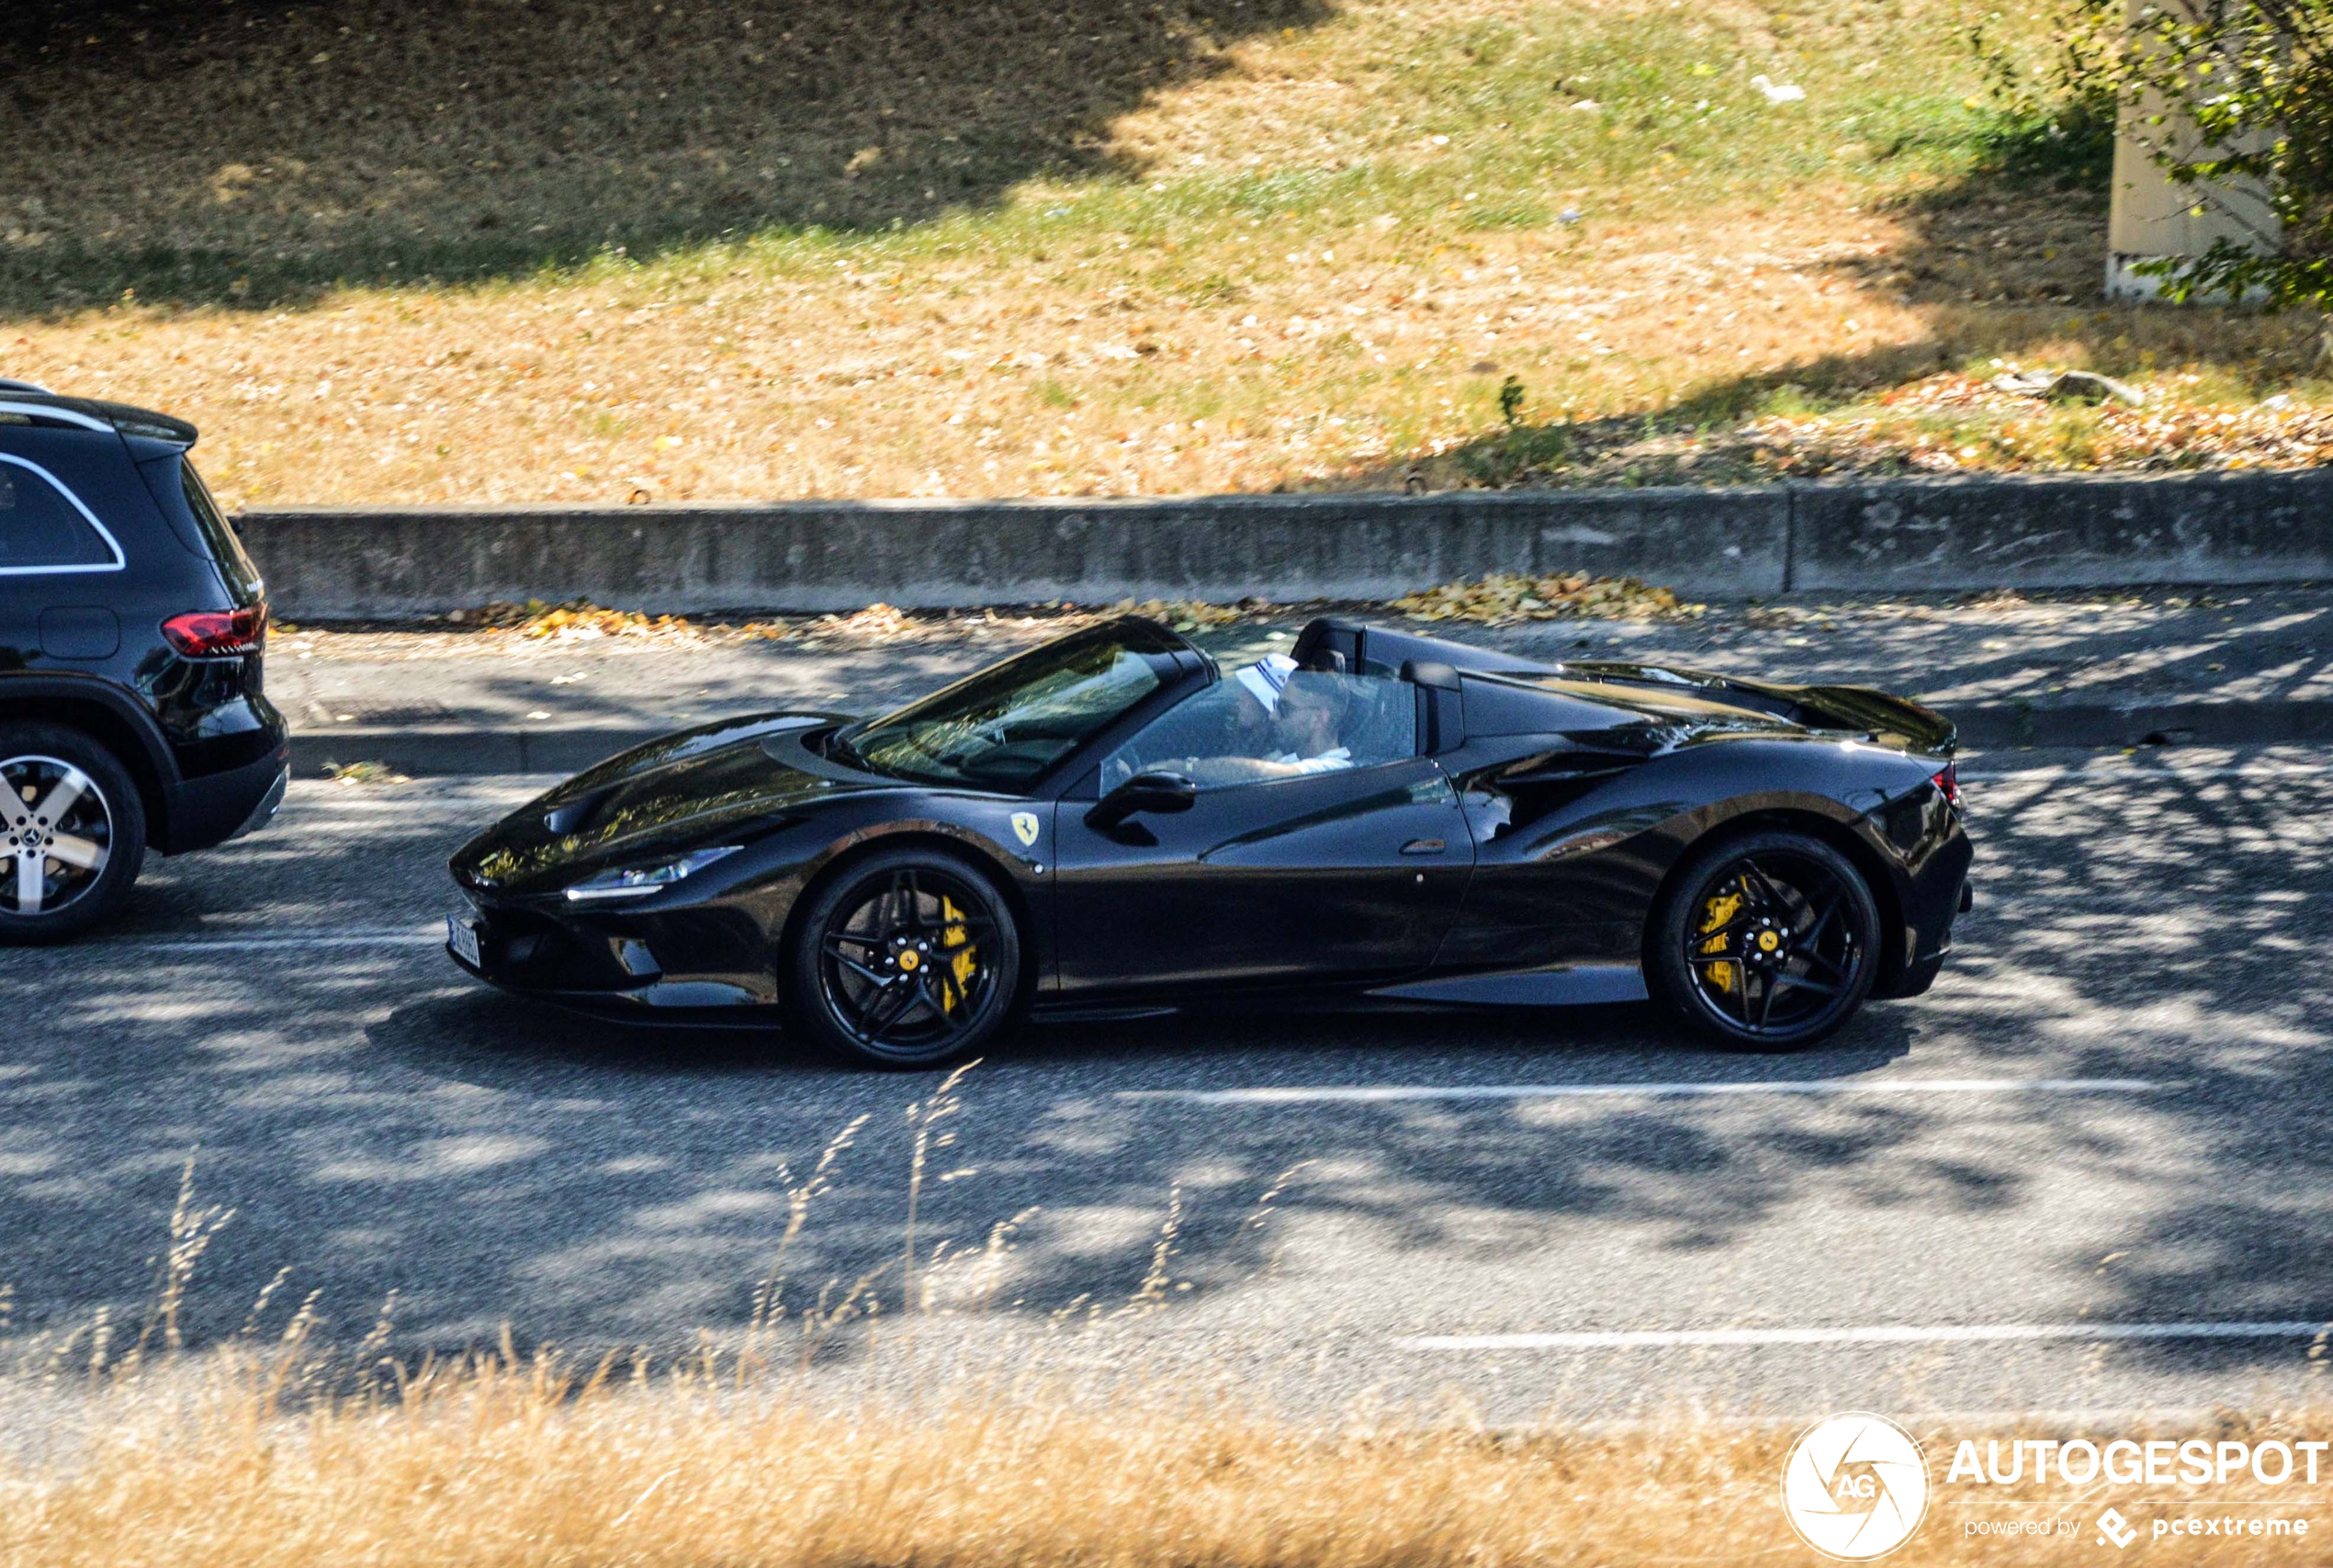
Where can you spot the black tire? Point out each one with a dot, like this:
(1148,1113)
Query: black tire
(60,789)
(909,958)
(1766,941)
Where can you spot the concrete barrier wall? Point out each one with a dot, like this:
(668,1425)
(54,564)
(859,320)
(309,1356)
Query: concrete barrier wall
(2063,531)
(332,562)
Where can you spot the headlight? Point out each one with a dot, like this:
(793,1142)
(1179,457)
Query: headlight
(637,882)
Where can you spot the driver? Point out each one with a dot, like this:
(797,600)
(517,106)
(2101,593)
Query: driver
(1270,721)
(1305,726)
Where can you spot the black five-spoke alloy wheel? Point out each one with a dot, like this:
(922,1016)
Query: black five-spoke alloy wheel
(1769,939)
(909,959)
(72,833)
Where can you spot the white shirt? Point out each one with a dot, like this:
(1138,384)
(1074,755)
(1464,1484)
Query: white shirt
(1326,763)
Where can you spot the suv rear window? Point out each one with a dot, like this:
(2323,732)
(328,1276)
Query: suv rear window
(226,548)
(43,530)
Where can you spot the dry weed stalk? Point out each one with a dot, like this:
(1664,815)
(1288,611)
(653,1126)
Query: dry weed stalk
(768,1295)
(926,1116)
(191,1230)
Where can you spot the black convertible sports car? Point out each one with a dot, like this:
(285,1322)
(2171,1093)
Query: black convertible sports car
(1109,826)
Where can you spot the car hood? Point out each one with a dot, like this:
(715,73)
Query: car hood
(738,779)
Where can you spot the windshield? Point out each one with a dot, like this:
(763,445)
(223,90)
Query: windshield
(1003,727)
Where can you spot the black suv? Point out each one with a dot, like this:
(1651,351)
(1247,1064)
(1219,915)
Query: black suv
(132,625)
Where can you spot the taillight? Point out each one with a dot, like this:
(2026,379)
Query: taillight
(1948,782)
(218,634)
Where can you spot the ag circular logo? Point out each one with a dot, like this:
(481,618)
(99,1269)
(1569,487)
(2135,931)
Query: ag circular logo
(1855,1486)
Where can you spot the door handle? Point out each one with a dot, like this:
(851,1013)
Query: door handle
(1422,847)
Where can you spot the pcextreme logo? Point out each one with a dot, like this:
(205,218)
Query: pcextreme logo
(1855,1486)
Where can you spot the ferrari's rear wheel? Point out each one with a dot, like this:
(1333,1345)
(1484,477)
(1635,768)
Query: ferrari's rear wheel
(1768,940)
(909,959)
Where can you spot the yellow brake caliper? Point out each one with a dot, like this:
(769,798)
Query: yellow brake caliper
(1721,908)
(966,960)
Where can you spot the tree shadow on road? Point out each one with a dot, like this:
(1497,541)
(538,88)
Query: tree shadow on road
(1067,1121)
(505,1042)
(497,1161)
(2076,966)
(2195,949)
(255,156)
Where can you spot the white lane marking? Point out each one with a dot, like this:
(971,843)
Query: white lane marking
(1378,1093)
(2109,773)
(1934,1333)
(319,939)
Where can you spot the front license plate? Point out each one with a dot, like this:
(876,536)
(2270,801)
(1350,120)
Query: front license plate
(462,937)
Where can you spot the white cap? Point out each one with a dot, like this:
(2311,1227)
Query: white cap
(1266,679)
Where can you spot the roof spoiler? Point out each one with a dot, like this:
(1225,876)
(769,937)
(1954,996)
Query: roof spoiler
(1364,649)
(26,400)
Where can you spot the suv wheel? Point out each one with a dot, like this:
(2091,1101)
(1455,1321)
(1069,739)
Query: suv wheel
(72,833)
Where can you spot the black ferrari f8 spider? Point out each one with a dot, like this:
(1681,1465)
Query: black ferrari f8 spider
(1111,826)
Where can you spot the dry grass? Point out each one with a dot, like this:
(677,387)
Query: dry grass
(610,249)
(520,1463)
(1502,598)
(1497,599)
(362,774)
(839,1436)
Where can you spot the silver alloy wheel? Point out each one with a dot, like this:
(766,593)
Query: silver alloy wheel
(58,829)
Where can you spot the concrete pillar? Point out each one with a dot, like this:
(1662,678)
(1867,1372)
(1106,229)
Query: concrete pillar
(2154,217)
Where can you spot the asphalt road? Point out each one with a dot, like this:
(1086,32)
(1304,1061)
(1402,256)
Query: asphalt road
(2111,1115)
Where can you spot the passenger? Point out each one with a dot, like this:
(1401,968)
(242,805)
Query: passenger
(1254,721)
(1304,709)
(1266,679)
(1218,738)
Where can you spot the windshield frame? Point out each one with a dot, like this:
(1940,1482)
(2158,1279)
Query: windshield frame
(1176,663)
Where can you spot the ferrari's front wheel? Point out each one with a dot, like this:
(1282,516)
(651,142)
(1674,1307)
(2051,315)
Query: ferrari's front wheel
(910,958)
(1767,941)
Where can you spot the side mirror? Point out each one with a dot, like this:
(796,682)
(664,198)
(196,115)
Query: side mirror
(1155,793)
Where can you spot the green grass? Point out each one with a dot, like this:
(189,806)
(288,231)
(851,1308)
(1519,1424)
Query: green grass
(1048,246)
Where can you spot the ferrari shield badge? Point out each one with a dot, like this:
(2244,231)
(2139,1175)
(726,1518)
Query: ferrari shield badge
(1024,827)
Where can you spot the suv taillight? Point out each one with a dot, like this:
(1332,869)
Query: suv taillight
(1948,782)
(218,634)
